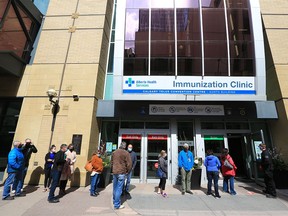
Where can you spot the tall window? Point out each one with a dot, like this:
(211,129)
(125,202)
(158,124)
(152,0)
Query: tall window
(188,38)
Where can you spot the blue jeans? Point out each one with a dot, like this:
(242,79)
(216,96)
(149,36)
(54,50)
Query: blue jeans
(55,180)
(213,175)
(13,178)
(225,185)
(94,182)
(118,183)
(24,172)
(127,186)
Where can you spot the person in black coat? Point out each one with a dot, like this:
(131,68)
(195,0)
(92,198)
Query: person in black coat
(267,166)
(58,164)
(49,160)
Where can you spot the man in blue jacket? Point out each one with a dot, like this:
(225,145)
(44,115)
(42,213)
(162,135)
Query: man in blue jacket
(186,163)
(14,170)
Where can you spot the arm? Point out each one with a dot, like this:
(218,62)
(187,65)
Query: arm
(135,161)
(218,163)
(230,160)
(128,162)
(74,158)
(180,164)
(163,164)
(12,160)
(34,149)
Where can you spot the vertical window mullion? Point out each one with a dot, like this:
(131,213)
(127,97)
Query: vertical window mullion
(202,38)
(176,40)
(227,38)
(149,40)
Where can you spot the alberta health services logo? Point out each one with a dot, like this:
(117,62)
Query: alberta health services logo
(129,82)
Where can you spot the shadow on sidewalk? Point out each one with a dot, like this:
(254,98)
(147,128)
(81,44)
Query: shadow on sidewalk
(30,189)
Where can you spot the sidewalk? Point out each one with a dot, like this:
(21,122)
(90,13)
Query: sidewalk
(248,201)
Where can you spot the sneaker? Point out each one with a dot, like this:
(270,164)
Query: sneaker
(183,193)
(164,195)
(13,191)
(53,201)
(233,194)
(93,195)
(218,197)
(8,198)
(120,207)
(208,193)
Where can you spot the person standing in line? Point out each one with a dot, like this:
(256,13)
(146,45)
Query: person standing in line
(97,169)
(68,169)
(186,163)
(27,151)
(228,172)
(267,167)
(121,165)
(212,165)
(163,166)
(15,171)
(49,159)
(57,168)
(129,175)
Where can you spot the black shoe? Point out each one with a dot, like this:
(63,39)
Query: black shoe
(8,198)
(128,196)
(94,195)
(264,191)
(20,195)
(271,196)
(217,196)
(97,193)
(208,193)
(183,193)
(53,201)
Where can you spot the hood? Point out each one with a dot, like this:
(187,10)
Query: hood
(210,157)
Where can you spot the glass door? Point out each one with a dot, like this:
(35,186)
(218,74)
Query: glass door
(155,144)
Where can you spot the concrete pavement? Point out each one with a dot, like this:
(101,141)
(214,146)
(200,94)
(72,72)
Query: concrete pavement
(248,201)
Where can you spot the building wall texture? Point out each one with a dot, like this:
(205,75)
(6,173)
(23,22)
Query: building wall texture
(275,21)
(71,58)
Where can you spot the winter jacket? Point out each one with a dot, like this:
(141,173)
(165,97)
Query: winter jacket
(15,160)
(51,156)
(212,163)
(121,162)
(186,160)
(225,170)
(59,161)
(27,151)
(133,158)
(97,164)
(163,165)
(266,161)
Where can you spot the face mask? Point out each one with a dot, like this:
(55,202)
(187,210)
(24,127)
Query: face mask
(71,150)
(129,149)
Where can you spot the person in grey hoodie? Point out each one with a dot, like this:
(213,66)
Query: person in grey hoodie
(162,163)
(212,165)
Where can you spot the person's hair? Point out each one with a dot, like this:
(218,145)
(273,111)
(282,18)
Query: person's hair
(51,147)
(186,145)
(16,143)
(70,145)
(122,145)
(162,153)
(209,152)
(27,139)
(263,145)
(63,145)
(225,151)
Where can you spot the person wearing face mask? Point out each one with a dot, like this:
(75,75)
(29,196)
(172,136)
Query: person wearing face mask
(97,169)
(49,160)
(68,169)
(162,163)
(27,149)
(15,171)
(129,175)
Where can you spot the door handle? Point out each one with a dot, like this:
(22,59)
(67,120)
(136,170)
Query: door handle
(170,161)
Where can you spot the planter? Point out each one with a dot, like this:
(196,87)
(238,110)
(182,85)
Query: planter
(280,178)
(105,177)
(195,179)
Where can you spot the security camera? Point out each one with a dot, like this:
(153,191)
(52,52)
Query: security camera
(51,93)
(75,97)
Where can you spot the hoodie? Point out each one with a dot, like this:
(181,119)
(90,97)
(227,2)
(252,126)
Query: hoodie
(212,163)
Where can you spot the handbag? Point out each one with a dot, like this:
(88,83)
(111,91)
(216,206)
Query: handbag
(159,172)
(88,166)
(228,164)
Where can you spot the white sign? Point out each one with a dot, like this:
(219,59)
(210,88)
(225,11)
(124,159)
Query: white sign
(188,85)
(164,109)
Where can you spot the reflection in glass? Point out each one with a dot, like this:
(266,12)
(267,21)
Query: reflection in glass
(237,3)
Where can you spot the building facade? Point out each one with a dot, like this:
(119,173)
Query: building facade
(156,74)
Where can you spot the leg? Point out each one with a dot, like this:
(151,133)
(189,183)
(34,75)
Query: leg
(23,176)
(215,180)
(183,176)
(225,184)
(127,187)
(209,177)
(160,186)
(92,185)
(18,181)
(55,179)
(96,184)
(232,190)
(270,187)
(7,186)
(188,181)
(49,178)
(46,171)
(118,190)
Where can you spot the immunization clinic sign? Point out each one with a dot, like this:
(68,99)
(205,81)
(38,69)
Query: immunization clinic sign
(188,85)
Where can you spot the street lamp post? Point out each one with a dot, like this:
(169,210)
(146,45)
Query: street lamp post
(51,93)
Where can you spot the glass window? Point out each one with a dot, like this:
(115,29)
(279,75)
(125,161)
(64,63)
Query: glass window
(237,3)
(134,125)
(212,125)
(110,130)
(237,125)
(136,42)
(157,125)
(185,131)
(3,5)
